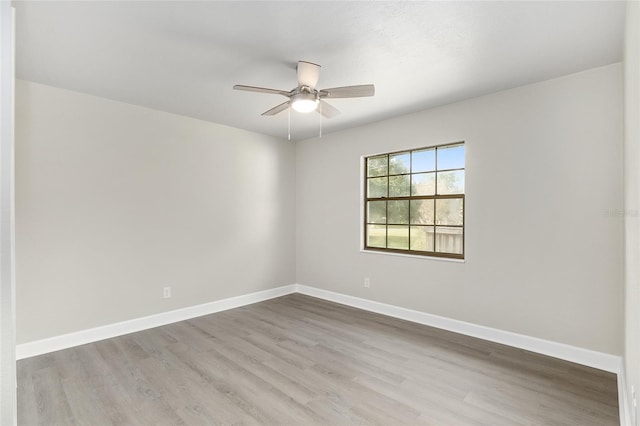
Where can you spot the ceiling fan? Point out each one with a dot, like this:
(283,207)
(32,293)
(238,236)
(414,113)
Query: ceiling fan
(306,98)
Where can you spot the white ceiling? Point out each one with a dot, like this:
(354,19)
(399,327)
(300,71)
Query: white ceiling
(184,57)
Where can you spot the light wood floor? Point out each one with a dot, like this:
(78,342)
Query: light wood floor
(301,360)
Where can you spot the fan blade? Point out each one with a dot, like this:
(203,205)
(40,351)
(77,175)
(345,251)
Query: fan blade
(308,74)
(327,111)
(349,91)
(277,109)
(261,90)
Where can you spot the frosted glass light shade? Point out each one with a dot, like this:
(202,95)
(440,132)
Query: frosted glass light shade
(304,102)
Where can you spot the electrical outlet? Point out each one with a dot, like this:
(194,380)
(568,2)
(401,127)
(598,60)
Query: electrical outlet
(367,282)
(166,292)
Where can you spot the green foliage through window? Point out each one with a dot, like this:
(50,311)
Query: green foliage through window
(414,201)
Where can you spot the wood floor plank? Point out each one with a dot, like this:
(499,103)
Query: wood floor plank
(298,360)
(50,399)
(26,394)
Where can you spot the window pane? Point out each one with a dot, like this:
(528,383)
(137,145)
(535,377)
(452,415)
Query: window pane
(399,163)
(376,236)
(377,187)
(448,240)
(451,157)
(422,238)
(423,184)
(399,186)
(398,211)
(423,161)
(422,212)
(377,212)
(451,182)
(377,166)
(449,211)
(399,237)
(407,201)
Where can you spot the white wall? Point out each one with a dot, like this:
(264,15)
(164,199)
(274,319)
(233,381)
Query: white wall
(544,229)
(632,199)
(115,201)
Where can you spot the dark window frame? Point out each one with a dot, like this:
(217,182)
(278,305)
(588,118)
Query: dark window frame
(409,198)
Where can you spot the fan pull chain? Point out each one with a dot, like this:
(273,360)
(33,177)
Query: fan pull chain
(289,122)
(320,106)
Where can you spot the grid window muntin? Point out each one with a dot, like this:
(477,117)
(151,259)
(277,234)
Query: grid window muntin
(393,192)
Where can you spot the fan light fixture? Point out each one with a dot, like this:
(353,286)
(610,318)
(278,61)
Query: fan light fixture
(304,102)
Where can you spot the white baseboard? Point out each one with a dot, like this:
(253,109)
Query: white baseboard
(623,399)
(586,357)
(600,360)
(65,341)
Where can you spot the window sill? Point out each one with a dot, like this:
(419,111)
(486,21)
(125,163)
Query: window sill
(415,256)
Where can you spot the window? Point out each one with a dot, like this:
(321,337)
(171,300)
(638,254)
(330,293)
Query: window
(414,201)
